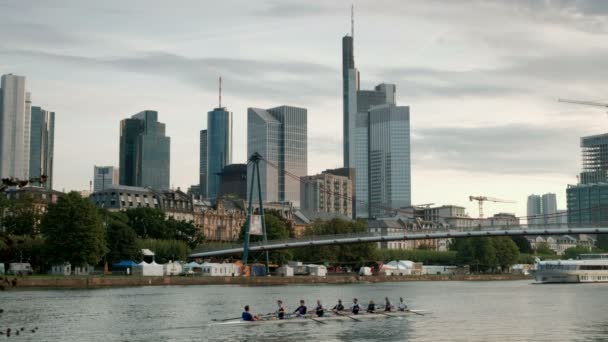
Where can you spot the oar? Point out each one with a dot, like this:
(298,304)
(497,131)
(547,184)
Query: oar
(416,312)
(232,319)
(349,316)
(384,313)
(316,320)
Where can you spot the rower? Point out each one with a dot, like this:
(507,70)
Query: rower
(339,306)
(388,306)
(301,310)
(280,310)
(371,307)
(355,307)
(402,306)
(247,316)
(319,309)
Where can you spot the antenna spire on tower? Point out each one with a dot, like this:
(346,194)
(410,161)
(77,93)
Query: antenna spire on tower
(352,21)
(220,96)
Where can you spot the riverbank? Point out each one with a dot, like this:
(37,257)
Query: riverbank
(126,281)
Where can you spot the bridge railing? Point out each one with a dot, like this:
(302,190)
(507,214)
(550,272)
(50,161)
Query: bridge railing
(383,232)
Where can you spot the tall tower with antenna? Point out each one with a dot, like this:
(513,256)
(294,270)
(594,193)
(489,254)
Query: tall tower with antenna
(350,86)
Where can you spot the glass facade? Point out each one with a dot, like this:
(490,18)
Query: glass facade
(595,159)
(104,177)
(202,173)
(15,115)
(389,158)
(42,136)
(587,204)
(219,147)
(280,136)
(144,152)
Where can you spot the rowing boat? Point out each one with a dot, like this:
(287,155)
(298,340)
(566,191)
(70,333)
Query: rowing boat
(328,318)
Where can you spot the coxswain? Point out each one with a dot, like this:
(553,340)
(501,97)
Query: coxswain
(402,306)
(371,307)
(280,310)
(388,306)
(355,307)
(339,306)
(319,309)
(301,310)
(247,316)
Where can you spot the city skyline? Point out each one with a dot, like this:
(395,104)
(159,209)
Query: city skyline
(452,78)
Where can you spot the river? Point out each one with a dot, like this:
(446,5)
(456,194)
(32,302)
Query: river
(458,311)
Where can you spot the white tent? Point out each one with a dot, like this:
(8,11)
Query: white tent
(192,267)
(220,270)
(401,267)
(145,269)
(365,271)
(317,270)
(285,271)
(172,268)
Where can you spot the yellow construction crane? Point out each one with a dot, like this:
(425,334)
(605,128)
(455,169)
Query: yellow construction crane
(482,199)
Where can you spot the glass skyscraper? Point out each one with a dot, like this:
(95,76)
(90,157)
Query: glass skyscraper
(104,177)
(144,151)
(219,147)
(202,174)
(42,139)
(280,136)
(595,159)
(15,116)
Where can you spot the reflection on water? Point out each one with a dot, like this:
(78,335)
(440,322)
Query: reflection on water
(459,311)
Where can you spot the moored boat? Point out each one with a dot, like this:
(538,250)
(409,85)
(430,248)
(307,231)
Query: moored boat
(588,268)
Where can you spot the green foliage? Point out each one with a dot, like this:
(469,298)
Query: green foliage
(73,231)
(21,216)
(121,238)
(574,252)
(543,248)
(426,257)
(164,250)
(523,244)
(602,242)
(15,248)
(485,253)
(357,254)
(277,228)
(151,223)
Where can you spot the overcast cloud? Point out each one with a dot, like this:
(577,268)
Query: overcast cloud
(482,79)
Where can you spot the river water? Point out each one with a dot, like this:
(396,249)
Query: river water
(458,311)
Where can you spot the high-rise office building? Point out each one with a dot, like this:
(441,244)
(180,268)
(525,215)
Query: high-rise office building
(327,193)
(279,135)
(104,177)
(595,159)
(549,203)
(144,151)
(358,112)
(42,141)
(15,126)
(534,210)
(202,173)
(389,158)
(219,147)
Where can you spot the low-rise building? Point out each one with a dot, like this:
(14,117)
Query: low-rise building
(221,220)
(327,192)
(559,243)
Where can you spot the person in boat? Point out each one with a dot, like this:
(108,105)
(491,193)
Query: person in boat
(247,316)
(319,310)
(339,307)
(402,306)
(301,310)
(388,306)
(355,307)
(371,307)
(281,310)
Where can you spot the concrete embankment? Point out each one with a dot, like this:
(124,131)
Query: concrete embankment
(123,281)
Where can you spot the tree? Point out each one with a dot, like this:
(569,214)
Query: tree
(164,250)
(74,231)
(523,244)
(277,228)
(543,248)
(574,252)
(184,231)
(148,223)
(602,242)
(507,252)
(121,238)
(22,216)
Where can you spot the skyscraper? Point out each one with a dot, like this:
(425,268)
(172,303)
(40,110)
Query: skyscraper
(219,147)
(42,140)
(389,158)
(15,116)
(534,210)
(359,118)
(280,136)
(144,151)
(549,203)
(202,174)
(104,177)
(595,159)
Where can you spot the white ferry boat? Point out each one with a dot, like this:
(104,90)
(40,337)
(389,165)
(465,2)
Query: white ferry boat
(588,268)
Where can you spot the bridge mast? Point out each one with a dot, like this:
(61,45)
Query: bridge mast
(254,160)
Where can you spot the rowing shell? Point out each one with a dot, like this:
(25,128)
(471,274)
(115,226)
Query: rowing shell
(307,319)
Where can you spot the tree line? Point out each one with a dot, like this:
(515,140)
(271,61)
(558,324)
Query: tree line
(74,230)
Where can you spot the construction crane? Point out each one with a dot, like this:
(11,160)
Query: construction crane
(482,199)
(585,103)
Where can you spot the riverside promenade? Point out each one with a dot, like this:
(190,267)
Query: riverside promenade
(83,282)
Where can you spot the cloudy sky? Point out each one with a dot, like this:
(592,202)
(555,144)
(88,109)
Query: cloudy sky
(482,79)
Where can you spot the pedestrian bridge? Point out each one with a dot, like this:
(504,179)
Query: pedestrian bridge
(325,240)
